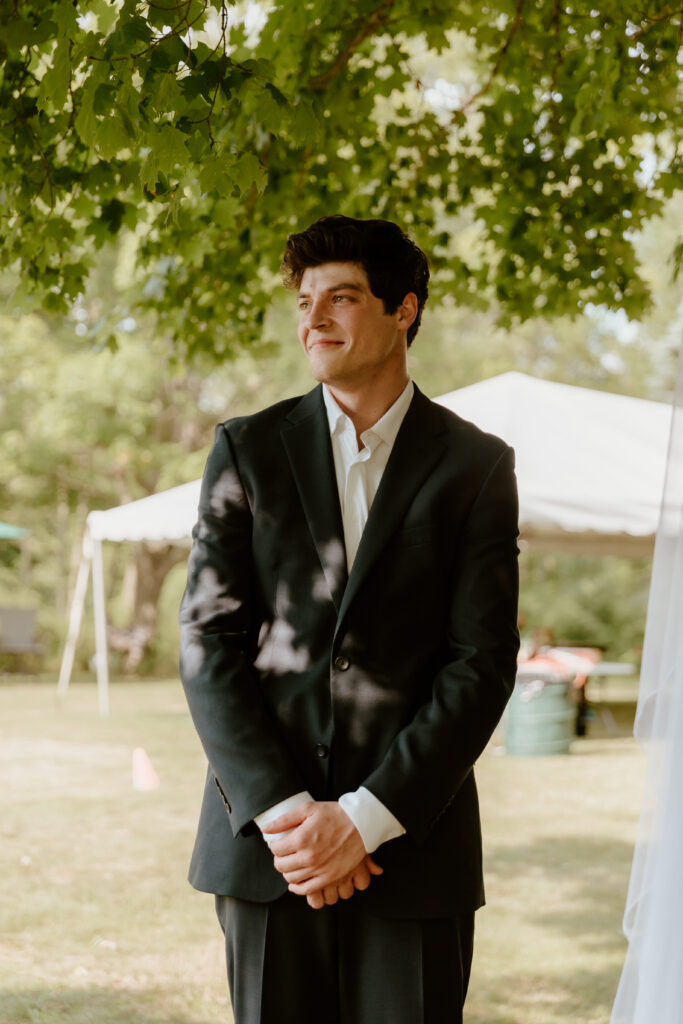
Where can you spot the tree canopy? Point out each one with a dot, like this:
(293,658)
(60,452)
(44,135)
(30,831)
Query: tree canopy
(522,142)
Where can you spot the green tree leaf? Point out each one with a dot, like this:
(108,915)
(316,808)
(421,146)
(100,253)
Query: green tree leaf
(249,171)
(54,85)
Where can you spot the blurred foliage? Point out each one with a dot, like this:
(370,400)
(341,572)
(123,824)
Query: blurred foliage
(584,601)
(83,429)
(522,143)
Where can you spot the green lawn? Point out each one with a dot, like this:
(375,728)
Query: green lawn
(98,926)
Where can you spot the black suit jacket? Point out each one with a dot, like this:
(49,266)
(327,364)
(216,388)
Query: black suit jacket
(394,678)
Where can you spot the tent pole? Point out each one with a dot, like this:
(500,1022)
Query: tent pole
(75,615)
(100,630)
(25,564)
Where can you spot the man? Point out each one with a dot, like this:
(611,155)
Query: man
(348,645)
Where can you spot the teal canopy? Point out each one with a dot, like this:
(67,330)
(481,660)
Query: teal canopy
(8,532)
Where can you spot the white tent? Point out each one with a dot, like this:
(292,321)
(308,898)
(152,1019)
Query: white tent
(164,518)
(590,469)
(167,517)
(590,464)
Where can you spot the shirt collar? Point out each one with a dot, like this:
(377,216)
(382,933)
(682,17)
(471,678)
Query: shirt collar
(389,425)
(386,428)
(336,417)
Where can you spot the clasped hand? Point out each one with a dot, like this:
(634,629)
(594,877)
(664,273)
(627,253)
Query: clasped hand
(322,857)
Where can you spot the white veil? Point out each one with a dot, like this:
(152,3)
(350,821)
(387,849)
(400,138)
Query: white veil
(651,986)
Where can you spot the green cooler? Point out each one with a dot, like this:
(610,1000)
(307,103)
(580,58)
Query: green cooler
(540,717)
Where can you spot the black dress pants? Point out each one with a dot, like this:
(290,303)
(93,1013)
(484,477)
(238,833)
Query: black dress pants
(289,964)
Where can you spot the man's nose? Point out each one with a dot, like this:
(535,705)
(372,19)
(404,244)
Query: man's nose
(319,312)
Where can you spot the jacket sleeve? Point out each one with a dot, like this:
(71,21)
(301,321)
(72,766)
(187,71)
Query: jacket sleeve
(432,755)
(220,619)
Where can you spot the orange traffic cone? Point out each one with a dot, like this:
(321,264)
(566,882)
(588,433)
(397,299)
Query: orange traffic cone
(144,776)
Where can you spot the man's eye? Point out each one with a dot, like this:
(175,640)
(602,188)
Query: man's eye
(339,298)
(303,306)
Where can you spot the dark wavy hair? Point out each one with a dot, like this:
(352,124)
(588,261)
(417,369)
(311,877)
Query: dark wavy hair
(394,264)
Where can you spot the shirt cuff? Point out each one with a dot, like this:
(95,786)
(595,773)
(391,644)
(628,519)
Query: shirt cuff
(290,804)
(374,821)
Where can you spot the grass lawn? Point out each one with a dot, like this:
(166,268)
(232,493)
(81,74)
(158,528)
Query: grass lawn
(98,925)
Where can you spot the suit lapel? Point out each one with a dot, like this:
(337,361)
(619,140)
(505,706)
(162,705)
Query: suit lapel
(306,437)
(416,451)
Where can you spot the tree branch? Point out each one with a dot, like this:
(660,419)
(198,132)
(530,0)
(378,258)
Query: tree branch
(224,43)
(559,60)
(519,7)
(666,14)
(367,28)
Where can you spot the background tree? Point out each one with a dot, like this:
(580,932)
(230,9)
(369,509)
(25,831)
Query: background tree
(82,430)
(545,131)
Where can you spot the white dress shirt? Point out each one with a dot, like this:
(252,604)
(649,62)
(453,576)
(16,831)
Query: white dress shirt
(358,473)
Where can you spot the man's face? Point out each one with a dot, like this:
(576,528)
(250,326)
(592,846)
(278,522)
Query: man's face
(349,339)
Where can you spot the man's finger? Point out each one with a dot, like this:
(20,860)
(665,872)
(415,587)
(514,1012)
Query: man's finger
(308,886)
(345,889)
(284,845)
(316,900)
(372,866)
(298,863)
(298,875)
(289,820)
(330,895)
(361,878)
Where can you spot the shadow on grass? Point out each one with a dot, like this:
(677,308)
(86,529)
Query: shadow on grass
(89,1006)
(590,874)
(543,996)
(576,889)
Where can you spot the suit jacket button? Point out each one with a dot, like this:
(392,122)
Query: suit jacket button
(341,663)
(321,750)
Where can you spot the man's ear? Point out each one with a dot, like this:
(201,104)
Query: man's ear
(407,311)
